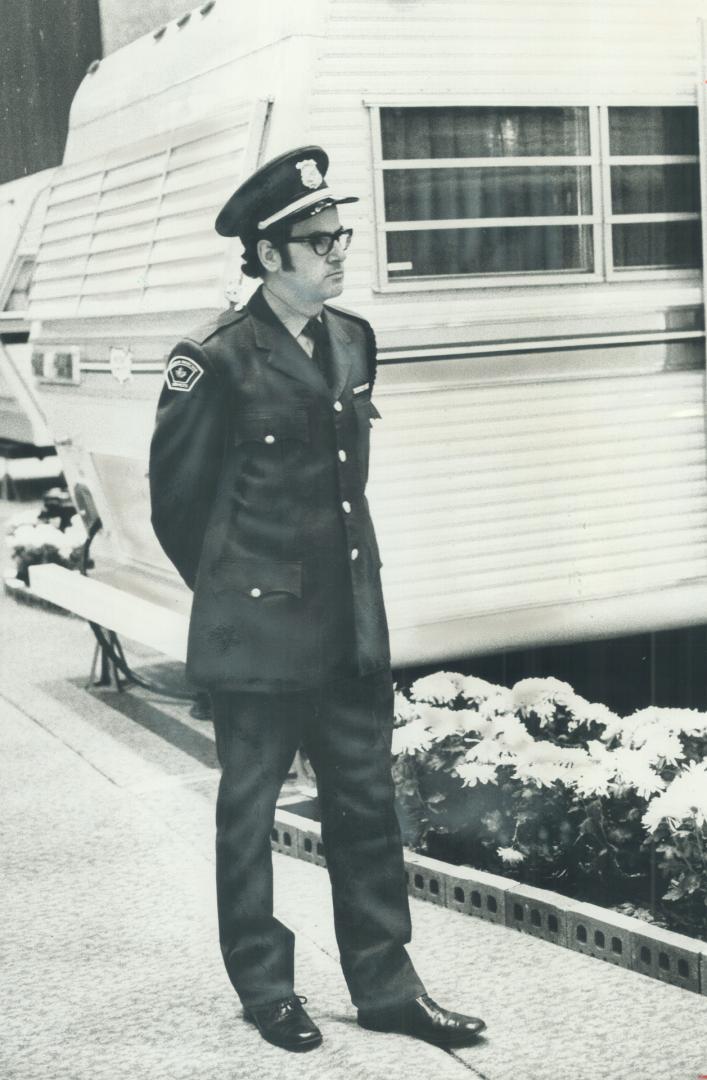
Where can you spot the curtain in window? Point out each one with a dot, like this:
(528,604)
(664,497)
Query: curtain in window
(424,194)
(666,187)
(484,132)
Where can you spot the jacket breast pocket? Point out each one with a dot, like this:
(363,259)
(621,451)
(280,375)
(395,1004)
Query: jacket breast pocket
(270,449)
(271,429)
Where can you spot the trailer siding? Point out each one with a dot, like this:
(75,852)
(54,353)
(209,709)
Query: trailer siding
(542,447)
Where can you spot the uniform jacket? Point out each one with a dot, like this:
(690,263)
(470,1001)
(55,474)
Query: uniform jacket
(258,470)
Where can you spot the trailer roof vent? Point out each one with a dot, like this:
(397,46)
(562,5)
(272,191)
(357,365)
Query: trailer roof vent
(183,19)
(160,32)
(207,7)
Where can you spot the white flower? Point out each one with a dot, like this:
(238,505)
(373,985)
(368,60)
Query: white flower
(23,536)
(405,711)
(633,767)
(660,747)
(685,799)
(510,855)
(440,722)
(471,773)
(475,689)
(653,722)
(544,696)
(65,547)
(411,737)
(540,696)
(440,687)
(593,775)
(487,752)
(75,534)
(46,535)
(473,723)
(24,517)
(545,763)
(513,735)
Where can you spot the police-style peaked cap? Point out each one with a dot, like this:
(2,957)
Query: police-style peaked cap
(291,185)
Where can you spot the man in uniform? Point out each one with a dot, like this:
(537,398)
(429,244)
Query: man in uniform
(258,469)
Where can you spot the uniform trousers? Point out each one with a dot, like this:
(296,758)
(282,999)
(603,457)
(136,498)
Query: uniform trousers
(345,727)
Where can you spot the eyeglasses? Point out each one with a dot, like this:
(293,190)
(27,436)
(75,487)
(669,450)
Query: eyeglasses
(322,243)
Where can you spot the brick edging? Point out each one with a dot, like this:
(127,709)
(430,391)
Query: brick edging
(585,928)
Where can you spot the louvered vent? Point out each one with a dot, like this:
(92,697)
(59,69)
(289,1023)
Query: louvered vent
(133,231)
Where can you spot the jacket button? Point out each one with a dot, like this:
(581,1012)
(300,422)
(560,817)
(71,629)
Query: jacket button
(338,406)
(255,593)
(342,455)
(354,554)
(347,506)
(269,438)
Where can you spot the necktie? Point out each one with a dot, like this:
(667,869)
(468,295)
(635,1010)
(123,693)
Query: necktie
(316,332)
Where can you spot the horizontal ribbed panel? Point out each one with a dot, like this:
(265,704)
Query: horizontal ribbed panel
(482,52)
(499,498)
(134,232)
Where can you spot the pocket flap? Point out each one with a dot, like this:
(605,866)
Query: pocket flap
(271,428)
(257,577)
(365,407)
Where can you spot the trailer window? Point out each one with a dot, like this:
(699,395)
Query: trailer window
(487,191)
(537,193)
(655,188)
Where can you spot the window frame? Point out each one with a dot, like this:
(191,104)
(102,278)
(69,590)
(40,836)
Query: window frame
(600,220)
(614,273)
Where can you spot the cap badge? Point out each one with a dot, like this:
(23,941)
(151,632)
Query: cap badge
(309,173)
(183,373)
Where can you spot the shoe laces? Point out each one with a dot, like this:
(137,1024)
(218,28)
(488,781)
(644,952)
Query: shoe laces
(291,1004)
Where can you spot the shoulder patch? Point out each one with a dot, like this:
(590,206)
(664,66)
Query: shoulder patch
(225,318)
(183,373)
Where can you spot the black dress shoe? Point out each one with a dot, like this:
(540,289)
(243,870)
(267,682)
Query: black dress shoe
(424,1019)
(285,1024)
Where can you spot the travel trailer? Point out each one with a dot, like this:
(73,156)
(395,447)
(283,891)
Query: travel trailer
(527,245)
(22,426)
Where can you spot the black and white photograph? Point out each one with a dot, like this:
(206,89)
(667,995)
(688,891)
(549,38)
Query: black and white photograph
(353,505)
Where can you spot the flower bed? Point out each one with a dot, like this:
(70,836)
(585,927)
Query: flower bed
(537,783)
(55,535)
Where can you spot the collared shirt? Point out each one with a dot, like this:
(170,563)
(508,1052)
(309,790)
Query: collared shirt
(293,321)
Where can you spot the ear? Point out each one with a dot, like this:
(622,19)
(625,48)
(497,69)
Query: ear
(269,256)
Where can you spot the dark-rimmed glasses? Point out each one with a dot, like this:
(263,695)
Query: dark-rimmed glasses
(322,243)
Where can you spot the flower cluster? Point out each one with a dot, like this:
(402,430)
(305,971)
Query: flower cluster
(552,779)
(31,541)
(495,721)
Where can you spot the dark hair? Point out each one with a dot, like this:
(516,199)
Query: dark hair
(278,236)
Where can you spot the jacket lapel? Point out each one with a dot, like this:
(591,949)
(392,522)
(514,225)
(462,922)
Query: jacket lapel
(286,355)
(282,350)
(341,350)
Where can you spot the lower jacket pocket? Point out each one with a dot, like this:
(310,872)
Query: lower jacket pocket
(256,577)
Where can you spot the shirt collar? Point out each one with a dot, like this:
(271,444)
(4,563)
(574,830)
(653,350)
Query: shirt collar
(293,321)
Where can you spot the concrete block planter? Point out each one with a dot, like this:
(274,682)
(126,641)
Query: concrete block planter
(604,934)
(538,912)
(476,892)
(662,954)
(426,879)
(586,928)
(286,832)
